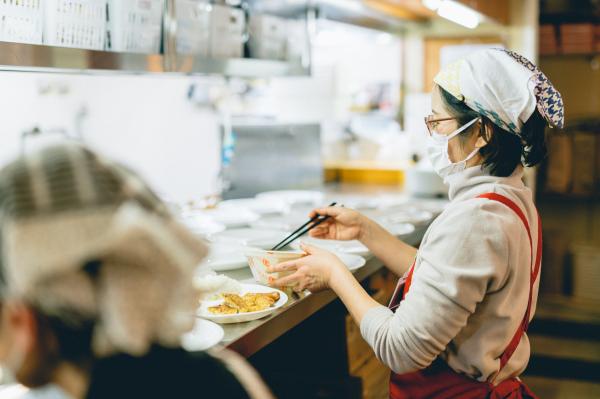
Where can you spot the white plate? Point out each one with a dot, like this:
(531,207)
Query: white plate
(352,262)
(223,257)
(231,217)
(258,238)
(203,336)
(398,229)
(347,247)
(265,206)
(242,317)
(288,222)
(388,201)
(435,206)
(359,202)
(202,225)
(295,197)
(411,215)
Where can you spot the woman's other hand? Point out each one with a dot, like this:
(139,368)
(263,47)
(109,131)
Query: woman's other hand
(343,224)
(312,272)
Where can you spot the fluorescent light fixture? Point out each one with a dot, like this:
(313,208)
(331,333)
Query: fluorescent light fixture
(433,5)
(350,5)
(458,13)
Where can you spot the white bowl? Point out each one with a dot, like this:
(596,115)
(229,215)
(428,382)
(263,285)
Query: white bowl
(260,259)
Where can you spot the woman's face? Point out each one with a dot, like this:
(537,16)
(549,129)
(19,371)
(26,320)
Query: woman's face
(19,346)
(458,149)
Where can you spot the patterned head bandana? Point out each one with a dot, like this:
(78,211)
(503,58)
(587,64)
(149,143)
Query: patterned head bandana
(503,86)
(84,239)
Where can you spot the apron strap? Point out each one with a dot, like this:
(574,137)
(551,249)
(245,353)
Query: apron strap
(402,287)
(535,268)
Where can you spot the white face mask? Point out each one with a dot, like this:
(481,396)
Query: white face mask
(437,150)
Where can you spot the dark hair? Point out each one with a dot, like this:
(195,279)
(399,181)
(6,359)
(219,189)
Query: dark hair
(504,150)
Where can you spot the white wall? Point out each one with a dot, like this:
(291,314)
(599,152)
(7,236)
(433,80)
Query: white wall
(145,122)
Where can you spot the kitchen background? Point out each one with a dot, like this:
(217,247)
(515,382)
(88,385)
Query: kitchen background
(371,64)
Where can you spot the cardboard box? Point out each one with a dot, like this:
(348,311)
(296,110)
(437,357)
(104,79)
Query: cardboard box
(577,48)
(597,164)
(586,272)
(577,38)
(584,163)
(554,258)
(560,163)
(548,41)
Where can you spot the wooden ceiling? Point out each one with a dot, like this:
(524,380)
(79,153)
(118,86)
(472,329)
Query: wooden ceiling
(412,10)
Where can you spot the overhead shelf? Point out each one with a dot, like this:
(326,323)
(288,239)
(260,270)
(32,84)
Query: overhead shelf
(31,57)
(48,58)
(239,67)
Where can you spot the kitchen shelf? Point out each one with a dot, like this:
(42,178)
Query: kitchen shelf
(571,55)
(42,58)
(238,67)
(32,57)
(47,58)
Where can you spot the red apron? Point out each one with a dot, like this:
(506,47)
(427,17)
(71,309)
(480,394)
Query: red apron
(439,381)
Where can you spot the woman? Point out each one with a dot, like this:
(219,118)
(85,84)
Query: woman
(97,287)
(456,325)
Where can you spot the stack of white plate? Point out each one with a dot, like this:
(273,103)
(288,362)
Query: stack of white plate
(289,222)
(412,215)
(295,197)
(201,225)
(230,217)
(224,257)
(398,229)
(258,238)
(261,206)
(358,202)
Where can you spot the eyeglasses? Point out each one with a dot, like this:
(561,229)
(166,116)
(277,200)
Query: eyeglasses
(429,122)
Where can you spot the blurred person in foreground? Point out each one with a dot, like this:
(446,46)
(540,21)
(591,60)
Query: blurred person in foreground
(96,287)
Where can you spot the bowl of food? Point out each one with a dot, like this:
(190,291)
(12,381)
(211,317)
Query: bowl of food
(260,260)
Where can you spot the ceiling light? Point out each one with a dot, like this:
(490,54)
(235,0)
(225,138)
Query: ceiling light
(432,4)
(458,13)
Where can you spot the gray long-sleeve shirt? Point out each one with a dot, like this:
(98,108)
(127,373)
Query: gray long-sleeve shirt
(470,286)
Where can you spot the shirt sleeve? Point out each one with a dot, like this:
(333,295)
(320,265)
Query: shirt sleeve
(465,254)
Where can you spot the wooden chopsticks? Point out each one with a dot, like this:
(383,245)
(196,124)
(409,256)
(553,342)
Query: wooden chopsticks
(300,231)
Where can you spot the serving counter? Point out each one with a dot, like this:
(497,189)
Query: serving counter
(249,338)
(311,347)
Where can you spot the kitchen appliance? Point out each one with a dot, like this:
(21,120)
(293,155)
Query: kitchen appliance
(227,32)
(135,26)
(267,37)
(265,157)
(193,27)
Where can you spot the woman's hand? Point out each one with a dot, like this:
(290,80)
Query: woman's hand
(312,272)
(343,224)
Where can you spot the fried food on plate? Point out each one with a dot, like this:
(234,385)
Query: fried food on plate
(251,302)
